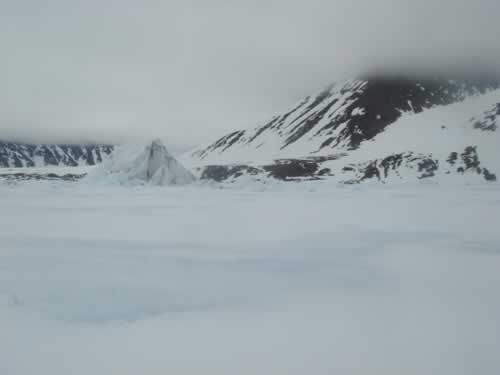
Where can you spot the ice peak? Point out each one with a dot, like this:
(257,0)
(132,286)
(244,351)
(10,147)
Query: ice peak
(153,164)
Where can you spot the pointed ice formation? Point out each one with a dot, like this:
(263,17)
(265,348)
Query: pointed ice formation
(157,166)
(153,165)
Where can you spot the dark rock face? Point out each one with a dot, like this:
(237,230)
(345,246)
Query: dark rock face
(292,168)
(285,170)
(428,167)
(470,162)
(423,166)
(219,173)
(489,121)
(452,159)
(491,177)
(15,155)
(345,115)
(470,158)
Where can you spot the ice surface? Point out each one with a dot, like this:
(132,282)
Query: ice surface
(293,280)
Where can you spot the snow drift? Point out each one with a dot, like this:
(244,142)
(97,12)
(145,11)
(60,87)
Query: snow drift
(152,165)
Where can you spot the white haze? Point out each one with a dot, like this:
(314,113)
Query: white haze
(187,71)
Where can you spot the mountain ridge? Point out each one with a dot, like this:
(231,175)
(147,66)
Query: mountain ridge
(18,154)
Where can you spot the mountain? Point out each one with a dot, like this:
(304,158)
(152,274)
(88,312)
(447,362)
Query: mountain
(374,128)
(32,155)
(151,164)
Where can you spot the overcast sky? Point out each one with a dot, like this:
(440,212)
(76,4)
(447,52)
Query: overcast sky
(191,70)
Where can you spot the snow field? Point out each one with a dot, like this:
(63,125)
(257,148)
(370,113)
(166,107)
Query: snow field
(358,280)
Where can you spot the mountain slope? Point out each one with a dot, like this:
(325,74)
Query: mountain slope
(31,155)
(339,118)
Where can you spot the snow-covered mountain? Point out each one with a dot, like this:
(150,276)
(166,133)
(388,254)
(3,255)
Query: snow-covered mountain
(382,128)
(30,155)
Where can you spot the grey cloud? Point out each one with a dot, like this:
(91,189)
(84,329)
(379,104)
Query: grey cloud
(187,71)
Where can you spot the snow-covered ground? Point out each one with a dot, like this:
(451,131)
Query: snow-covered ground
(291,280)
